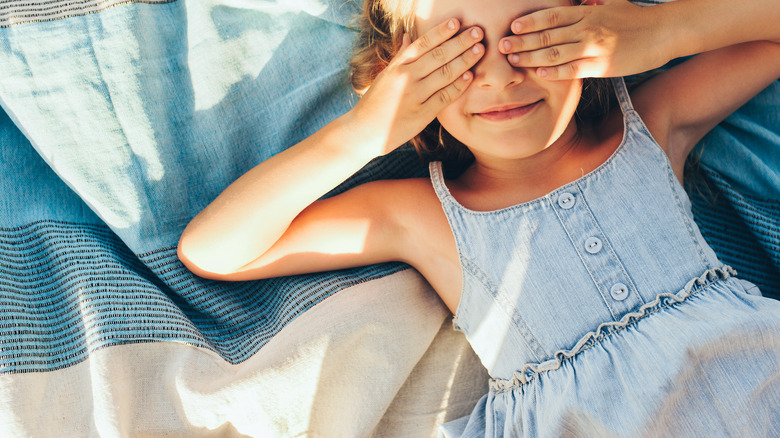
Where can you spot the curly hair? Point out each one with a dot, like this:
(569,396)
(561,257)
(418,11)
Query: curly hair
(381,28)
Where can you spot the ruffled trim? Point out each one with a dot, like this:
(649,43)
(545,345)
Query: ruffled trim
(529,371)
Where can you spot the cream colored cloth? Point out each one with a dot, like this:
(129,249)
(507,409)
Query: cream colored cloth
(378,359)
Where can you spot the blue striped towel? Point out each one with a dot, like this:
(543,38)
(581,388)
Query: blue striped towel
(121,120)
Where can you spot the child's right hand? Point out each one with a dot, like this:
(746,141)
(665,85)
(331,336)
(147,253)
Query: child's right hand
(421,80)
(256,228)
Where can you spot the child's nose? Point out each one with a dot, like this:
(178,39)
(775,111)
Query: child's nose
(495,71)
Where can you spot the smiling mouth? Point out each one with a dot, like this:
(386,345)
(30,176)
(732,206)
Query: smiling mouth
(508,113)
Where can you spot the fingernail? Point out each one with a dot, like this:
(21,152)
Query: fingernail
(467,76)
(506,45)
(451,24)
(542,73)
(514,59)
(476,49)
(516,27)
(475,33)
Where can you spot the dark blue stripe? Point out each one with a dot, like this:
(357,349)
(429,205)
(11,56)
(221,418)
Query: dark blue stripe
(67,289)
(81,294)
(743,231)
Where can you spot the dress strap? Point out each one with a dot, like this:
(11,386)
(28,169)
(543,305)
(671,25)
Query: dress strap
(437,179)
(622,95)
(632,120)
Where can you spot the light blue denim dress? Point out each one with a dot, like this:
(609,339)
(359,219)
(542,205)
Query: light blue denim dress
(600,311)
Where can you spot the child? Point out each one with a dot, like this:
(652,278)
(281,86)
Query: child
(563,243)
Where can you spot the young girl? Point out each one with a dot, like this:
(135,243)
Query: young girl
(563,242)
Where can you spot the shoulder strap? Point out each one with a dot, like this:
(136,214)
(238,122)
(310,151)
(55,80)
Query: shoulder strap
(622,95)
(437,179)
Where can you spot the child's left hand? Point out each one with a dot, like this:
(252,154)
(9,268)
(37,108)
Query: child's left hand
(600,38)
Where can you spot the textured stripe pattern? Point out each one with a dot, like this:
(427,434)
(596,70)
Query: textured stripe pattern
(67,289)
(744,232)
(15,12)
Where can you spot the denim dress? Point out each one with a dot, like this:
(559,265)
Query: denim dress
(600,311)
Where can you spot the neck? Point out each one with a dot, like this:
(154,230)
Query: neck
(531,167)
(492,183)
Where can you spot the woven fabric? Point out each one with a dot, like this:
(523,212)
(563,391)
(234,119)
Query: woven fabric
(119,127)
(122,119)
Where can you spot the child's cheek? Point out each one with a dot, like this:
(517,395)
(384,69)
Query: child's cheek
(455,121)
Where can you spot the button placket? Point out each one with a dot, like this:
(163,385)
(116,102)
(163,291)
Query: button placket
(607,271)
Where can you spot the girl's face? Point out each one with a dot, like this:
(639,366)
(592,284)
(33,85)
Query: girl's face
(507,112)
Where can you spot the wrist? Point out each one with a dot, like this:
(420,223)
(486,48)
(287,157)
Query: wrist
(676,37)
(369,137)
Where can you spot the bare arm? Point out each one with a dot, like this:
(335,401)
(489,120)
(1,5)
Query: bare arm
(352,229)
(235,231)
(681,105)
(606,38)
(246,219)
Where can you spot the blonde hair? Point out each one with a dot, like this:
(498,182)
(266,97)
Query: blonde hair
(381,28)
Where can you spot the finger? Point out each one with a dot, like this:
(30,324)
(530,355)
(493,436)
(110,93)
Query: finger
(448,51)
(452,72)
(539,40)
(581,68)
(450,93)
(551,56)
(433,38)
(547,19)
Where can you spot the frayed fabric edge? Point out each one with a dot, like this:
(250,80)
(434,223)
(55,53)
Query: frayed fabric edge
(529,371)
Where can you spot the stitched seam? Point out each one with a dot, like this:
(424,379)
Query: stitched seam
(671,178)
(536,203)
(519,325)
(468,266)
(693,287)
(609,246)
(672,181)
(558,214)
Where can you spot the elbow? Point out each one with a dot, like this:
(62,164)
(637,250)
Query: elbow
(200,261)
(773,55)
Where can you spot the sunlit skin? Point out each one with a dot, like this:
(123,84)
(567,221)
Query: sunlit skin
(271,222)
(507,112)
(517,125)
(622,38)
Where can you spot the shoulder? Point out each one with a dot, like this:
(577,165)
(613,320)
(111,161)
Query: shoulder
(421,234)
(680,105)
(406,205)
(424,237)
(398,193)
(651,99)
(656,104)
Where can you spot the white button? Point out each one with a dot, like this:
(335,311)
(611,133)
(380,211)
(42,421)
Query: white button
(593,245)
(619,292)
(566,201)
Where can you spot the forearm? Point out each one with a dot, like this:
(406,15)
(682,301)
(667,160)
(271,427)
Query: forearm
(248,217)
(687,27)
(254,212)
